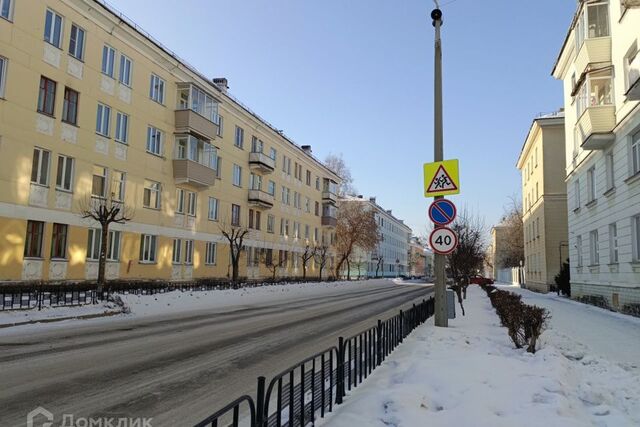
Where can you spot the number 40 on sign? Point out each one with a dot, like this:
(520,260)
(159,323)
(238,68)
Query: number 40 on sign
(443,240)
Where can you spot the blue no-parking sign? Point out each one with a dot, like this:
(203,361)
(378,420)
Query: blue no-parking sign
(442,212)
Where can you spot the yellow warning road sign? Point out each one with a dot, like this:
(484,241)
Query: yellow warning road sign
(441,178)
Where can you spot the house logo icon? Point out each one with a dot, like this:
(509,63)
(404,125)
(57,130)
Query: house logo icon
(39,412)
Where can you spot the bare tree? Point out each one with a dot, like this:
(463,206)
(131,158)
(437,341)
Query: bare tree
(105,211)
(379,264)
(308,254)
(321,258)
(513,251)
(235,235)
(268,261)
(336,163)
(356,228)
(469,255)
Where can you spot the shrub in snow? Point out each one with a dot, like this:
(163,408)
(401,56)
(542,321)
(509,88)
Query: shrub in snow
(597,300)
(632,309)
(563,279)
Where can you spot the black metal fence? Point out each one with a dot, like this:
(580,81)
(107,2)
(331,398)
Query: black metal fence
(308,390)
(30,295)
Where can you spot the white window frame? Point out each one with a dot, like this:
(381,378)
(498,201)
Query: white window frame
(122,127)
(176,254)
(635,153)
(188,252)
(155,140)
(591,184)
(271,220)
(635,237)
(157,88)
(237,175)
(152,188)
(3,74)
(118,182)
(77,49)
(42,165)
(220,129)
(212,213)
(192,203)
(148,248)
(609,169)
(113,250)
(108,65)
(6,9)
(210,253)
(239,137)
(94,241)
(125,71)
(103,119)
(180,200)
(64,173)
(104,176)
(576,194)
(594,248)
(49,38)
(614,252)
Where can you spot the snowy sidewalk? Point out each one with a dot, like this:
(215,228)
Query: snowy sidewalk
(470,375)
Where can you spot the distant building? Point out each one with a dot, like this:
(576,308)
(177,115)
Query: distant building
(599,66)
(498,248)
(544,201)
(417,258)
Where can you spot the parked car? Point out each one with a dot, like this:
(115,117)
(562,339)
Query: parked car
(479,280)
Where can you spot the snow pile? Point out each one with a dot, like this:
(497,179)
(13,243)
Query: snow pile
(12,317)
(470,375)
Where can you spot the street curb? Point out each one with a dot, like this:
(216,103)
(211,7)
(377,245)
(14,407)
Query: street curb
(59,319)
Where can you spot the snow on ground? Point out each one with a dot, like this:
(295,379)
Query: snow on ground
(470,375)
(178,302)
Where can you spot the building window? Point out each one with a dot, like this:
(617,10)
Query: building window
(268,257)
(108,60)
(258,220)
(148,248)
(596,90)
(218,167)
(306,231)
(317,208)
(593,22)
(315,234)
(33,241)
(213,209)
(122,127)
(99,182)
(124,76)
(220,130)
(176,258)
(309,177)
(271,189)
(635,237)
(47,96)
(632,66)
(255,182)
(210,253)
(113,246)
(576,194)
(192,203)
(53,28)
(250,218)
(154,140)
(93,244)
(239,138)
(180,201)
(103,119)
(613,243)
(59,241)
(64,175)
(256,145)
(608,159)
(76,42)
(270,223)
(94,241)
(307,205)
(635,153)
(193,98)
(6,9)
(594,255)
(273,154)
(3,74)
(156,89)
(118,184)
(591,184)
(70,106)
(200,151)
(237,175)
(235,215)
(317,183)
(151,195)
(40,166)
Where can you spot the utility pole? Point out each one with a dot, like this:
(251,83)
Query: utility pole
(441,318)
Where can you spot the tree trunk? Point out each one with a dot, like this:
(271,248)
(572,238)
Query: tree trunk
(235,261)
(320,276)
(348,270)
(304,269)
(102,259)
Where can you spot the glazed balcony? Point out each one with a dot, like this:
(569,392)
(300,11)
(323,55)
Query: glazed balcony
(594,129)
(633,79)
(329,221)
(593,51)
(261,162)
(329,196)
(260,199)
(188,121)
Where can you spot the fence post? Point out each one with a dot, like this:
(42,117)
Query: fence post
(340,391)
(401,325)
(260,403)
(379,343)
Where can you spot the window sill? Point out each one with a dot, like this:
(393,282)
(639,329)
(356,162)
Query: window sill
(39,185)
(147,262)
(121,142)
(107,75)
(633,178)
(59,259)
(212,219)
(51,44)
(609,192)
(76,58)
(33,258)
(6,19)
(151,208)
(592,203)
(206,264)
(75,125)
(160,156)
(576,210)
(46,114)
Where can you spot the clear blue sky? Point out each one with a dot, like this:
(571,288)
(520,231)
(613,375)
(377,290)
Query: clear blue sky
(356,77)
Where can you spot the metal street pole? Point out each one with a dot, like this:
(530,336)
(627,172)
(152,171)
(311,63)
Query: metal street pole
(441,318)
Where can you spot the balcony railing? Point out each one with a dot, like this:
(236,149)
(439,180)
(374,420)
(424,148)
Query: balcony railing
(329,196)
(261,162)
(260,199)
(633,79)
(329,221)
(593,51)
(187,171)
(188,121)
(594,129)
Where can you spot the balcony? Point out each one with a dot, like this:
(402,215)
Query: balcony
(633,79)
(261,162)
(187,171)
(593,51)
(260,199)
(188,121)
(329,221)
(329,196)
(594,129)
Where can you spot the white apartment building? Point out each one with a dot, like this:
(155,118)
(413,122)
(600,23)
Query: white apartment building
(600,69)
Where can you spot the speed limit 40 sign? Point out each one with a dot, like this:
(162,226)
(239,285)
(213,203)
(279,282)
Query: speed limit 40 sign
(443,240)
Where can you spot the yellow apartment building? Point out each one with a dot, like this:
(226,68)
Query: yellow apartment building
(92,107)
(544,201)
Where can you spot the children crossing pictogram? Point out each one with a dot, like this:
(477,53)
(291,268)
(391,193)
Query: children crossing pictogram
(441,178)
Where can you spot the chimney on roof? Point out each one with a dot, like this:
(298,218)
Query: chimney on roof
(372,200)
(389,211)
(359,196)
(222,83)
(306,149)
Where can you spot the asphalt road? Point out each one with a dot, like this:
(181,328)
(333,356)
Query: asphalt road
(179,369)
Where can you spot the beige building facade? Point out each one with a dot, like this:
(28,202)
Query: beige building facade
(544,201)
(599,66)
(92,108)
